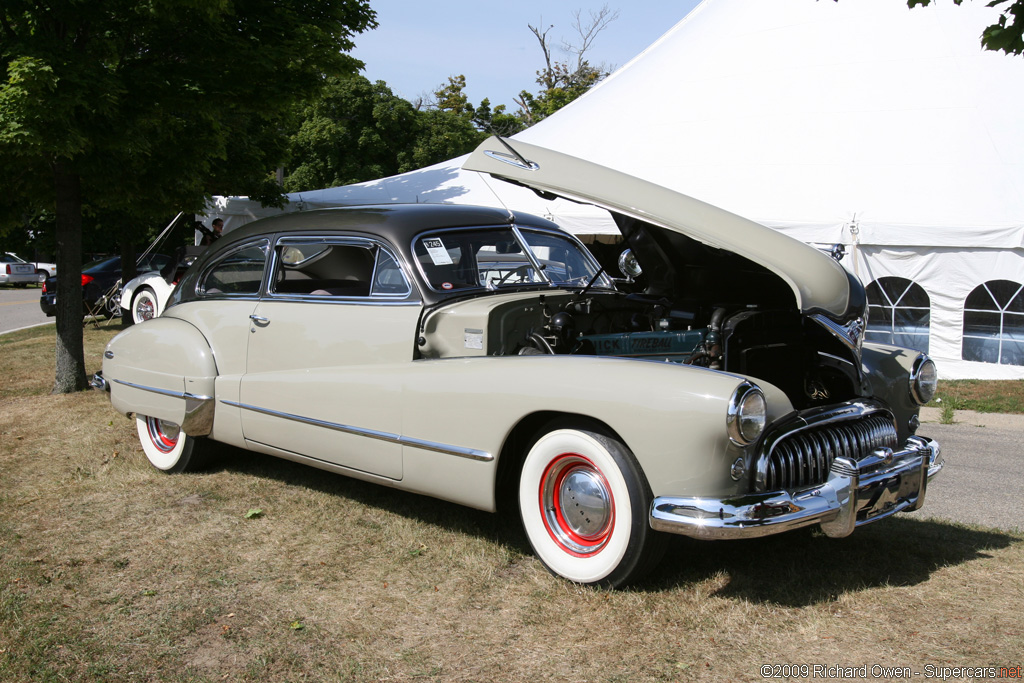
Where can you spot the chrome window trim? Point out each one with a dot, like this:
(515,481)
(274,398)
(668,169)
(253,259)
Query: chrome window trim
(460,451)
(410,296)
(338,300)
(201,286)
(517,231)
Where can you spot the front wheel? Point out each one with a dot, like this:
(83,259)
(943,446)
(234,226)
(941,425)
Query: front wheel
(144,305)
(585,503)
(168,448)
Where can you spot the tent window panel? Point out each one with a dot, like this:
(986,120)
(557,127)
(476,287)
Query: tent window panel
(994,323)
(899,313)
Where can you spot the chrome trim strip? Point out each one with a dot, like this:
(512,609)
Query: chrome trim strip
(851,334)
(470,453)
(164,392)
(511,160)
(856,493)
(199,410)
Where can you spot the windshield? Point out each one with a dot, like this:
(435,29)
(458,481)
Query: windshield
(502,257)
(10,258)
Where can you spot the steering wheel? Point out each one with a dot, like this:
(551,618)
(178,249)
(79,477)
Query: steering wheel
(521,271)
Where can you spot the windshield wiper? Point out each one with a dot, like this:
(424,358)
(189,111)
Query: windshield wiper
(600,271)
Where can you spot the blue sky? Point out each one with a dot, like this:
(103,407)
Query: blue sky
(420,44)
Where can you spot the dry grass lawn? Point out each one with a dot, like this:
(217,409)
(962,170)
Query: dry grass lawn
(112,571)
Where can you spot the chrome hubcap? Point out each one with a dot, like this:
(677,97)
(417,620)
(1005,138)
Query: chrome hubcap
(164,435)
(577,505)
(144,309)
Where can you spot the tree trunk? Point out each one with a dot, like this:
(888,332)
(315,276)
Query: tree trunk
(70,375)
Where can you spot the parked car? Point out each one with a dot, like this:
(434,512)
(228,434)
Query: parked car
(43,269)
(98,279)
(733,397)
(146,295)
(15,271)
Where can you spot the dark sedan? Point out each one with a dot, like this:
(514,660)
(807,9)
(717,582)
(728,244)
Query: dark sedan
(98,279)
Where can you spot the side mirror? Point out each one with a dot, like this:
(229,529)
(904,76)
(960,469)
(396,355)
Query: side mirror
(629,266)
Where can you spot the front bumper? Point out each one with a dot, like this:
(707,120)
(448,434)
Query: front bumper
(855,493)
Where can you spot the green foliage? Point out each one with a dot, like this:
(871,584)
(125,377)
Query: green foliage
(1006,35)
(137,110)
(561,85)
(355,131)
(358,131)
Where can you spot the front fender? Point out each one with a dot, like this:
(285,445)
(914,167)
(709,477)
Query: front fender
(673,417)
(888,371)
(163,369)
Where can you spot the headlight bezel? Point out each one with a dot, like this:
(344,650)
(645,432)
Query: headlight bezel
(924,380)
(743,423)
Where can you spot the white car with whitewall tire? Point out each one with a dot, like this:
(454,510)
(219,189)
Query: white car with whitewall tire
(146,296)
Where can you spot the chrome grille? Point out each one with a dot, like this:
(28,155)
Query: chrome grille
(803,458)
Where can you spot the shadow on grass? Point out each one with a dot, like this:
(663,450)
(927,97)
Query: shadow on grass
(504,529)
(805,567)
(794,569)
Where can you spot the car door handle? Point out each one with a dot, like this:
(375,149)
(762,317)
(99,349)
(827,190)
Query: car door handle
(259,320)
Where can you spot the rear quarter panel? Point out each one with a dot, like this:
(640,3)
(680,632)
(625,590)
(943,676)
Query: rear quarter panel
(165,354)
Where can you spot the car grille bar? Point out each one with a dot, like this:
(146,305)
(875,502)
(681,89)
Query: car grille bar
(803,458)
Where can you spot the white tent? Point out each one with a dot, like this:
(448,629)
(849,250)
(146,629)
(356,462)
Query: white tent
(859,122)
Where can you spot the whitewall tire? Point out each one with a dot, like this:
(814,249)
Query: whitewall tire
(585,503)
(168,448)
(144,305)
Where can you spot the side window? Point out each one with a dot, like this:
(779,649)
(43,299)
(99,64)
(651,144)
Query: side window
(344,268)
(994,323)
(899,313)
(237,273)
(388,278)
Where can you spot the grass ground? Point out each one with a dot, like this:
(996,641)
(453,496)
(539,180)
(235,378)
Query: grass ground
(111,571)
(985,396)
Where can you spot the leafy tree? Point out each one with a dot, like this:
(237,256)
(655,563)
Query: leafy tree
(355,131)
(1007,34)
(358,131)
(145,108)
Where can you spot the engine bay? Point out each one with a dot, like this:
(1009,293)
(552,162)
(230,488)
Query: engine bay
(779,346)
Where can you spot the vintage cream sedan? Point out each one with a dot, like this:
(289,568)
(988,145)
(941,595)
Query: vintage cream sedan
(464,352)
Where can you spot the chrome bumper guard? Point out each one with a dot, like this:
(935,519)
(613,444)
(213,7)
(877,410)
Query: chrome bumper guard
(855,493)
(97,382)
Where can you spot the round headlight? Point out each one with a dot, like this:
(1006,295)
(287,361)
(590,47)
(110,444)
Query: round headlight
(748,414)
(924,379)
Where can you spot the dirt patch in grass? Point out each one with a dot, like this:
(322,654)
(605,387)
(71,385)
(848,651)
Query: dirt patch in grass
(112,571)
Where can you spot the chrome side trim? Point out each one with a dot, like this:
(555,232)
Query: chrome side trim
(198,409)
(470,453)
(856,493)
(850,334)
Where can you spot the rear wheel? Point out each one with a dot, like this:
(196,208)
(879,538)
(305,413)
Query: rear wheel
(585,504)
(168,448)
(144,305)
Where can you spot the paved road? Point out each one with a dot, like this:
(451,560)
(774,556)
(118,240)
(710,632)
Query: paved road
(20,308)
(982,482)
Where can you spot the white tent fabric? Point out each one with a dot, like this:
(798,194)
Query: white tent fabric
(861,122)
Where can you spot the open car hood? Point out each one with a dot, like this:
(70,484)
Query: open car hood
(660,224)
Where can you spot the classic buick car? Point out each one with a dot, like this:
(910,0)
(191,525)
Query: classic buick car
(465,352)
